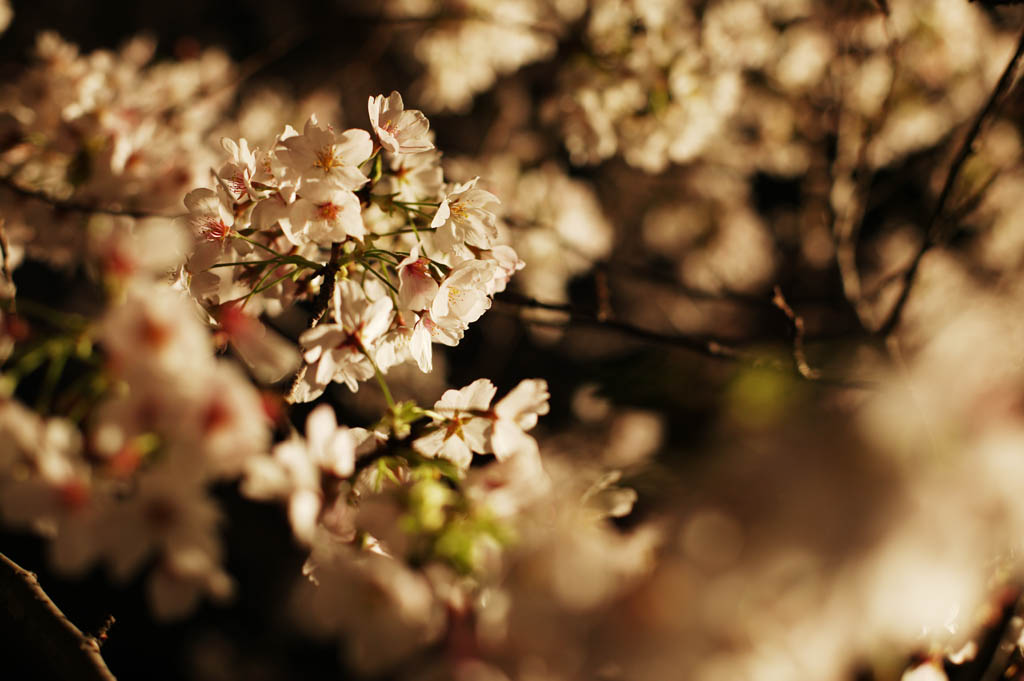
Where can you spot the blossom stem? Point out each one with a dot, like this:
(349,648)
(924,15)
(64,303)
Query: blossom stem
(435,204)
(380,380)
(257,244)
(369,268)
(242,263)
(411,230)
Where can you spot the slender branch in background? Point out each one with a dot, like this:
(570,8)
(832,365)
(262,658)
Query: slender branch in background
(320,304)
(799,356)
(848,218)
(702,345)
(77,207)
(30,617)
(5,267)
(931,232)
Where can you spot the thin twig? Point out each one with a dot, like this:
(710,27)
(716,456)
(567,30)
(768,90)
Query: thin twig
(702,345)
(799,356)
(32,617)
(848,220)
(931,232)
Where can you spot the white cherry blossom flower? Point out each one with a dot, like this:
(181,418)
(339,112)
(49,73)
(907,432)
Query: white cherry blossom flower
(182,578)
(324,213)
(320,154)
(210,214)
(463,426)
(246,164)
(399,130)
(465,217)
(295,470)
(156,330)
(167,513)
(462,297)
(406,343)
(340,351)
(417,287)
(413,177)
(508,262)
(517,413)
(223,423)
(267,353)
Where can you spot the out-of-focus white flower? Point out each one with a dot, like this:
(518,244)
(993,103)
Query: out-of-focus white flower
(399,130)
(368,598)
(223,422)
(517,413)
(155,331)
(929,671)
(181,578)
(267,353)
(295,470)
(130,249)
(6,14)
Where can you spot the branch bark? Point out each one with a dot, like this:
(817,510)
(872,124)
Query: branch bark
(30,617)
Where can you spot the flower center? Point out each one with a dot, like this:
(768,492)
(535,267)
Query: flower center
(326,158)
(328,211)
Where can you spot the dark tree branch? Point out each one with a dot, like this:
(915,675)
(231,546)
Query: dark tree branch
(78,207)
(320,305)
(702,345)
(35,620)
(931,232)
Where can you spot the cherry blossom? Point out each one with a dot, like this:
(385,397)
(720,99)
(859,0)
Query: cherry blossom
(460,425)
(319,154)
(399,130)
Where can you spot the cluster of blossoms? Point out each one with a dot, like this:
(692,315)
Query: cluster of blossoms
(554,221)
(659,82)
(104,131)
(367,227)
(486,40)
(139,412)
